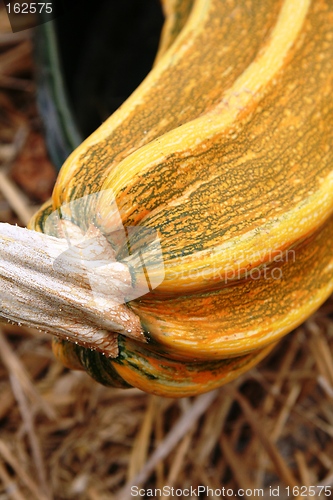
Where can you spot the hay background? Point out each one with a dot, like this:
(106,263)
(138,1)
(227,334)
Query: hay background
(63,436)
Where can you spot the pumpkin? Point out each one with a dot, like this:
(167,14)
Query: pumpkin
(218,173)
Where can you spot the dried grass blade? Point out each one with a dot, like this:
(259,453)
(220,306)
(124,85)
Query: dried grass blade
(16,199)
(11,460)
(141,443)
(28,419)
(11,488)
(15,367)
(184,424)
(272,451)
(236,464)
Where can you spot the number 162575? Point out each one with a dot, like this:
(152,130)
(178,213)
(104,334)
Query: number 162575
(29,8)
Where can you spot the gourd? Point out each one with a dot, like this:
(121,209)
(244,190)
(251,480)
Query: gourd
(225,152)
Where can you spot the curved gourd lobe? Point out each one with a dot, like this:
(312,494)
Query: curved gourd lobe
(152,373)
(247,313)
(138,367)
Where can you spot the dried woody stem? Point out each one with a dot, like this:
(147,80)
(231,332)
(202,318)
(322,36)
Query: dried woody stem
(46,284)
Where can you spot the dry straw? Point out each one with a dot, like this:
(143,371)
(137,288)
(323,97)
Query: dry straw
(63,436)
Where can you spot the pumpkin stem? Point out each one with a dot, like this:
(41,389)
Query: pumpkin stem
(76,293)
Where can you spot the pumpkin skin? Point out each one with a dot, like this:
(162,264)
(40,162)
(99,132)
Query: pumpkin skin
(176,13)
(226,151)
